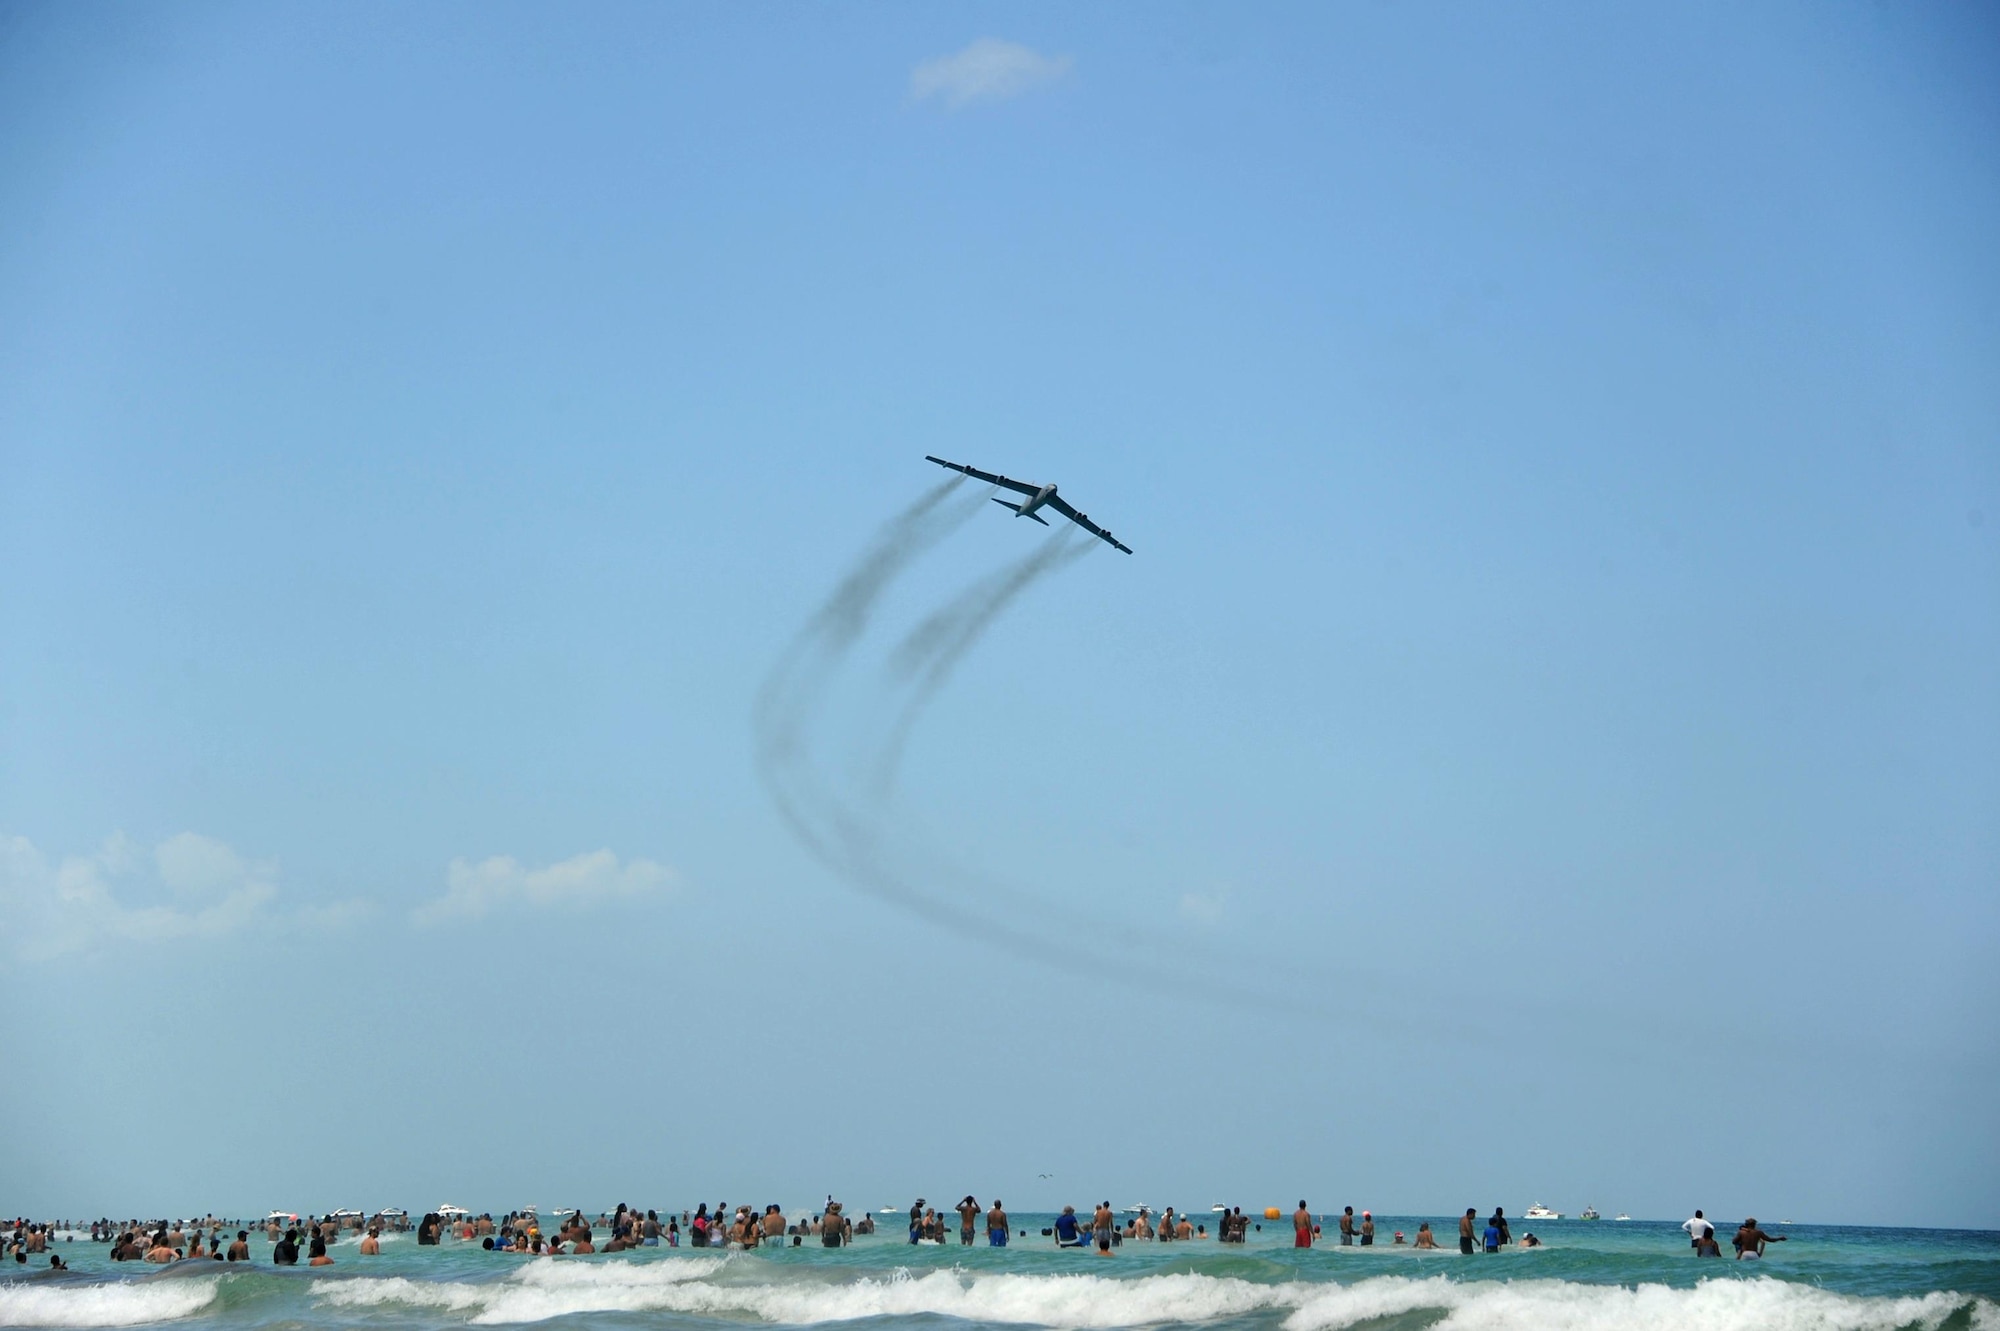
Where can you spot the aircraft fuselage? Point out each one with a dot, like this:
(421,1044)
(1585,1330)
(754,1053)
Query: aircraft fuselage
(1041,497)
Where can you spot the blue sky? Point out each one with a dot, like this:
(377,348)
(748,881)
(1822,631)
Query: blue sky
(1545,746)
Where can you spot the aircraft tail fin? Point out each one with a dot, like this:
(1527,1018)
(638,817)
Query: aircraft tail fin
(1018,513)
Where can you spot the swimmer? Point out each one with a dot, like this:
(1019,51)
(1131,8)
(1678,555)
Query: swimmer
(1067,1231)
(239,1251)
(1696,1227)
(1530,1241)
(316,1253)
(1302,1226)
(1465,1231)
(1426,1239)
(1750,1240)
(161,1252)
(1398,1241)
(372,1245)
(968,1220)
(1347,1227)
(1101,1224)
(1367,1229)
(996,1225)
(1706,1246)
(56,1262)
(1184,1230)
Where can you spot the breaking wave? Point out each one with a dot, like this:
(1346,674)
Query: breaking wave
(546,1290)
(115,1303)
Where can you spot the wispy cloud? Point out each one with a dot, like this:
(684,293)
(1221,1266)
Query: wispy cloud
(189,885)
(471,890)
(1204,908)
(989,70)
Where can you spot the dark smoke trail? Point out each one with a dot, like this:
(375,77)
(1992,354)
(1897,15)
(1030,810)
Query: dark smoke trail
(932,650)
(849,838)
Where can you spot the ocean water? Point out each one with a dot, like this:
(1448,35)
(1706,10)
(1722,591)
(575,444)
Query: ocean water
(1591,1274)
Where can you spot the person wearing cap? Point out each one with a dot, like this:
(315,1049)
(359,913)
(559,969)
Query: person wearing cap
(834,1231)
(1750,1240)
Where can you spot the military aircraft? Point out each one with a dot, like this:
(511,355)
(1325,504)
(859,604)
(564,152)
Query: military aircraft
(1039,496)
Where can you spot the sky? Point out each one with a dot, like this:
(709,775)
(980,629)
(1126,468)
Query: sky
(495,707)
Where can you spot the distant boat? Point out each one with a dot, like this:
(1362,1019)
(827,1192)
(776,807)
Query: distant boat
(1218,1208)
(1540,1212)
(1589,1213)
(1621,1216)
(1140,1209)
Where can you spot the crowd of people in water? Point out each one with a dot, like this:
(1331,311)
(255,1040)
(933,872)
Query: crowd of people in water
(747,1228)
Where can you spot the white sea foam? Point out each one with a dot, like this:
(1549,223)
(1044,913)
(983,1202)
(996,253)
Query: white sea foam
(1560,1305)
(121,1303)
(544,1290)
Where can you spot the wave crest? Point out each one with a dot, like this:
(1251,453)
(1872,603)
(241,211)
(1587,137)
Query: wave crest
(122,1303)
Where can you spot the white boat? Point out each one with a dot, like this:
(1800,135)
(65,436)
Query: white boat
(1140,1209)
(1621,1216)
(1219,1208)
(1589,1213)
(1540,1212)
(448,1210)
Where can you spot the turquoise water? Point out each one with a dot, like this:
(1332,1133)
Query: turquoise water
(1602,1274)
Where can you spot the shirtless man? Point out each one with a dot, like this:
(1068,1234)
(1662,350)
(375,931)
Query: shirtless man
(372,1245)
(1166,1234)
(996,1225)
(834,1231)
(774,1223)
(1102,1222)
(239,1251)
(968,1219)
(160,1253)
(1749,1241)
(1347,1228)
(1302,1226)
(1367,1229)
(1465,1227)
(1142,1228)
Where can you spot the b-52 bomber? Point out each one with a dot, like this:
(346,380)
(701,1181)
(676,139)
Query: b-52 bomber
(1039,496)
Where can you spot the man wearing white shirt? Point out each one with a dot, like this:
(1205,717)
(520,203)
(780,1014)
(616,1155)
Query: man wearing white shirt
(1696,1227)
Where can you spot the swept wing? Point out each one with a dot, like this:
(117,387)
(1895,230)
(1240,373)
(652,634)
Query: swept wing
(1020,487)
(1062,506)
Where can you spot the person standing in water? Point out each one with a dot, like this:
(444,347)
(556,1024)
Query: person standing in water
(1101,1224)
(968,1219)
(1302,1227)
(1465,1227)
(996,1225)
(1750,1240)
(1347,1227)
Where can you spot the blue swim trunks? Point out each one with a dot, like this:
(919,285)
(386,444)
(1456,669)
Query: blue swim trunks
(997,1237)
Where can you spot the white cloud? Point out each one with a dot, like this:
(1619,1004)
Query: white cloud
(198,886)
(473,889)
(989,70)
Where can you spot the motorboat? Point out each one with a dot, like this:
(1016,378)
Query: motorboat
(1223,1209)
(1140,1209)
(448,1211)
(1590,1213)
(1540,1212)
(1621,1216)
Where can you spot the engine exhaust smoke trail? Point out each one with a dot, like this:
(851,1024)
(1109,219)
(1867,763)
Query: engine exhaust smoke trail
(932,650)
(852,836)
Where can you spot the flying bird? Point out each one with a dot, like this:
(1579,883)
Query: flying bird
(1039,496)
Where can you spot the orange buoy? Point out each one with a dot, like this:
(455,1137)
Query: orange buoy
(1271,1213)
